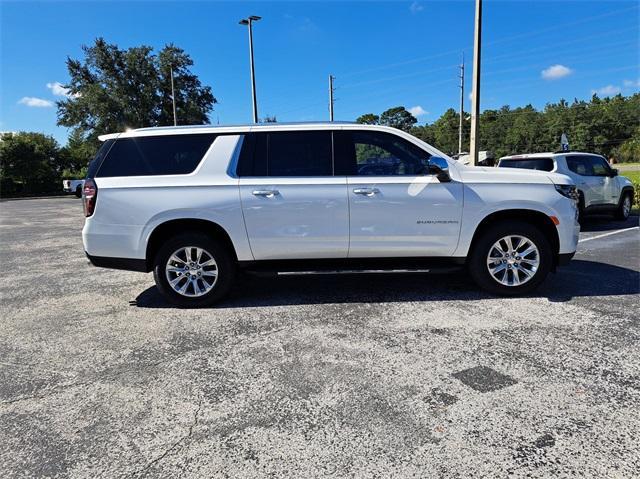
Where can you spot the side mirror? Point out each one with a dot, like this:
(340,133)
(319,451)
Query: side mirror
(614,172)
(440,168)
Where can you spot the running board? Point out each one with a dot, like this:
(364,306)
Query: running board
(354,266)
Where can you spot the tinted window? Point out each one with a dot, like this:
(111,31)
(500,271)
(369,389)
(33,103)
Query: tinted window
(287,153)
(588,165)
(155,155)
(373,153)
(544,164)
(94,164)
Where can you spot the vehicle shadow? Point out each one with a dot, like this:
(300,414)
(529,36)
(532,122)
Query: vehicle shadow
(607,223)
(581,278)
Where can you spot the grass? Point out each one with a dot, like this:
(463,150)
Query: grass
(634,176)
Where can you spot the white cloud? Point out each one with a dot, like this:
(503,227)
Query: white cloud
(35,102)
(58,89)
(418,111)
(632,83)
(608,90)
(415,7)
(556,71)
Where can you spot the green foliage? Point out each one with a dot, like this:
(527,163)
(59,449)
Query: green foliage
(368,119)
(398,117)
(629,151)
(29,162)
(112,90)
(76,154)
(606,126)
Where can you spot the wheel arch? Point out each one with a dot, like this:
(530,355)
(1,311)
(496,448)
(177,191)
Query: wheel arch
(627,189)
(173,227)
(537,218)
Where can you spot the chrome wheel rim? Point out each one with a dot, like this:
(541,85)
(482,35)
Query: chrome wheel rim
(626,206)
(513,260)
(191,271)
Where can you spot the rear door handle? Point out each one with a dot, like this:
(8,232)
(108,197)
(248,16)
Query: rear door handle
(366,191)
(266,193)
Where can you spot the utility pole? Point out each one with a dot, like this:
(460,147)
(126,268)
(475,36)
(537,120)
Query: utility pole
(461,105)
(331,78)
(249,22)
(475,92)
(173,98)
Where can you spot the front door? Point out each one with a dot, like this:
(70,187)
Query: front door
(397,209)
(293,206)
(591,185)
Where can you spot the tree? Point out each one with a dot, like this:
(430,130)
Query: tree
(368,119)
(112,90)
(398,117)
(29,159)
(75,155)
(445,131)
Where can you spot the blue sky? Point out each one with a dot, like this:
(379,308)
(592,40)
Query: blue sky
(383,54)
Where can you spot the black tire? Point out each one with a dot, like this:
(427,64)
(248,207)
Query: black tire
(226,269)
(79,192)
(581,213)
(621,212)
(478,257)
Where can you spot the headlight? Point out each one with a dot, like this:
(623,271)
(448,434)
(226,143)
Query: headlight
(570,191)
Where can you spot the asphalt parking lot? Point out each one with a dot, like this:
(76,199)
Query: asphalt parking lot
(349,375)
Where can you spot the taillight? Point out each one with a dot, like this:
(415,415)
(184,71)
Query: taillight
(89,196)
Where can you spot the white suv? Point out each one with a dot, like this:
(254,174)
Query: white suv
(600,188)
(194,204)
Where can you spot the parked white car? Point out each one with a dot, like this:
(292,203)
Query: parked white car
(194,204)
(73,186)
(600,187)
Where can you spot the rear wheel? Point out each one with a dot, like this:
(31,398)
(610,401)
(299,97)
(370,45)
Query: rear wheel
(624,208)
(193,270)
(510,258)
(79,191)
(581,206)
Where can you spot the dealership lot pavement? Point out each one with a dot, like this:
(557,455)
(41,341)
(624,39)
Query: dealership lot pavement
(350,375)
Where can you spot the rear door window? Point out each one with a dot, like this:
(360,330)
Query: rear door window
(155,155)
(543,164)
(286,153)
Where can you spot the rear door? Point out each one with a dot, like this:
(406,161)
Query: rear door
(293,205)
(397,209)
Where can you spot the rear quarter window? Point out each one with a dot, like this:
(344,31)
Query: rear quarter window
(543,164)
(155,155)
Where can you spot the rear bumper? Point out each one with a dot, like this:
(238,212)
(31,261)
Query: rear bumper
(129,264)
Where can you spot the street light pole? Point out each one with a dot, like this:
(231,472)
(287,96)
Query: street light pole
(461,105)
(249,22)
(173,98)
(475,89)
(331,78)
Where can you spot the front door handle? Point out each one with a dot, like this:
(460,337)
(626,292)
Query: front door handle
(266,193)
(366,191)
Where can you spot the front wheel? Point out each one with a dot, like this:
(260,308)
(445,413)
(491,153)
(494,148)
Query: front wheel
(193,270)
(511,258)
(624,208)
(79,192)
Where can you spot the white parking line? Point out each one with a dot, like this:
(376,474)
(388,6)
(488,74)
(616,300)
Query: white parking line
(608,234)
